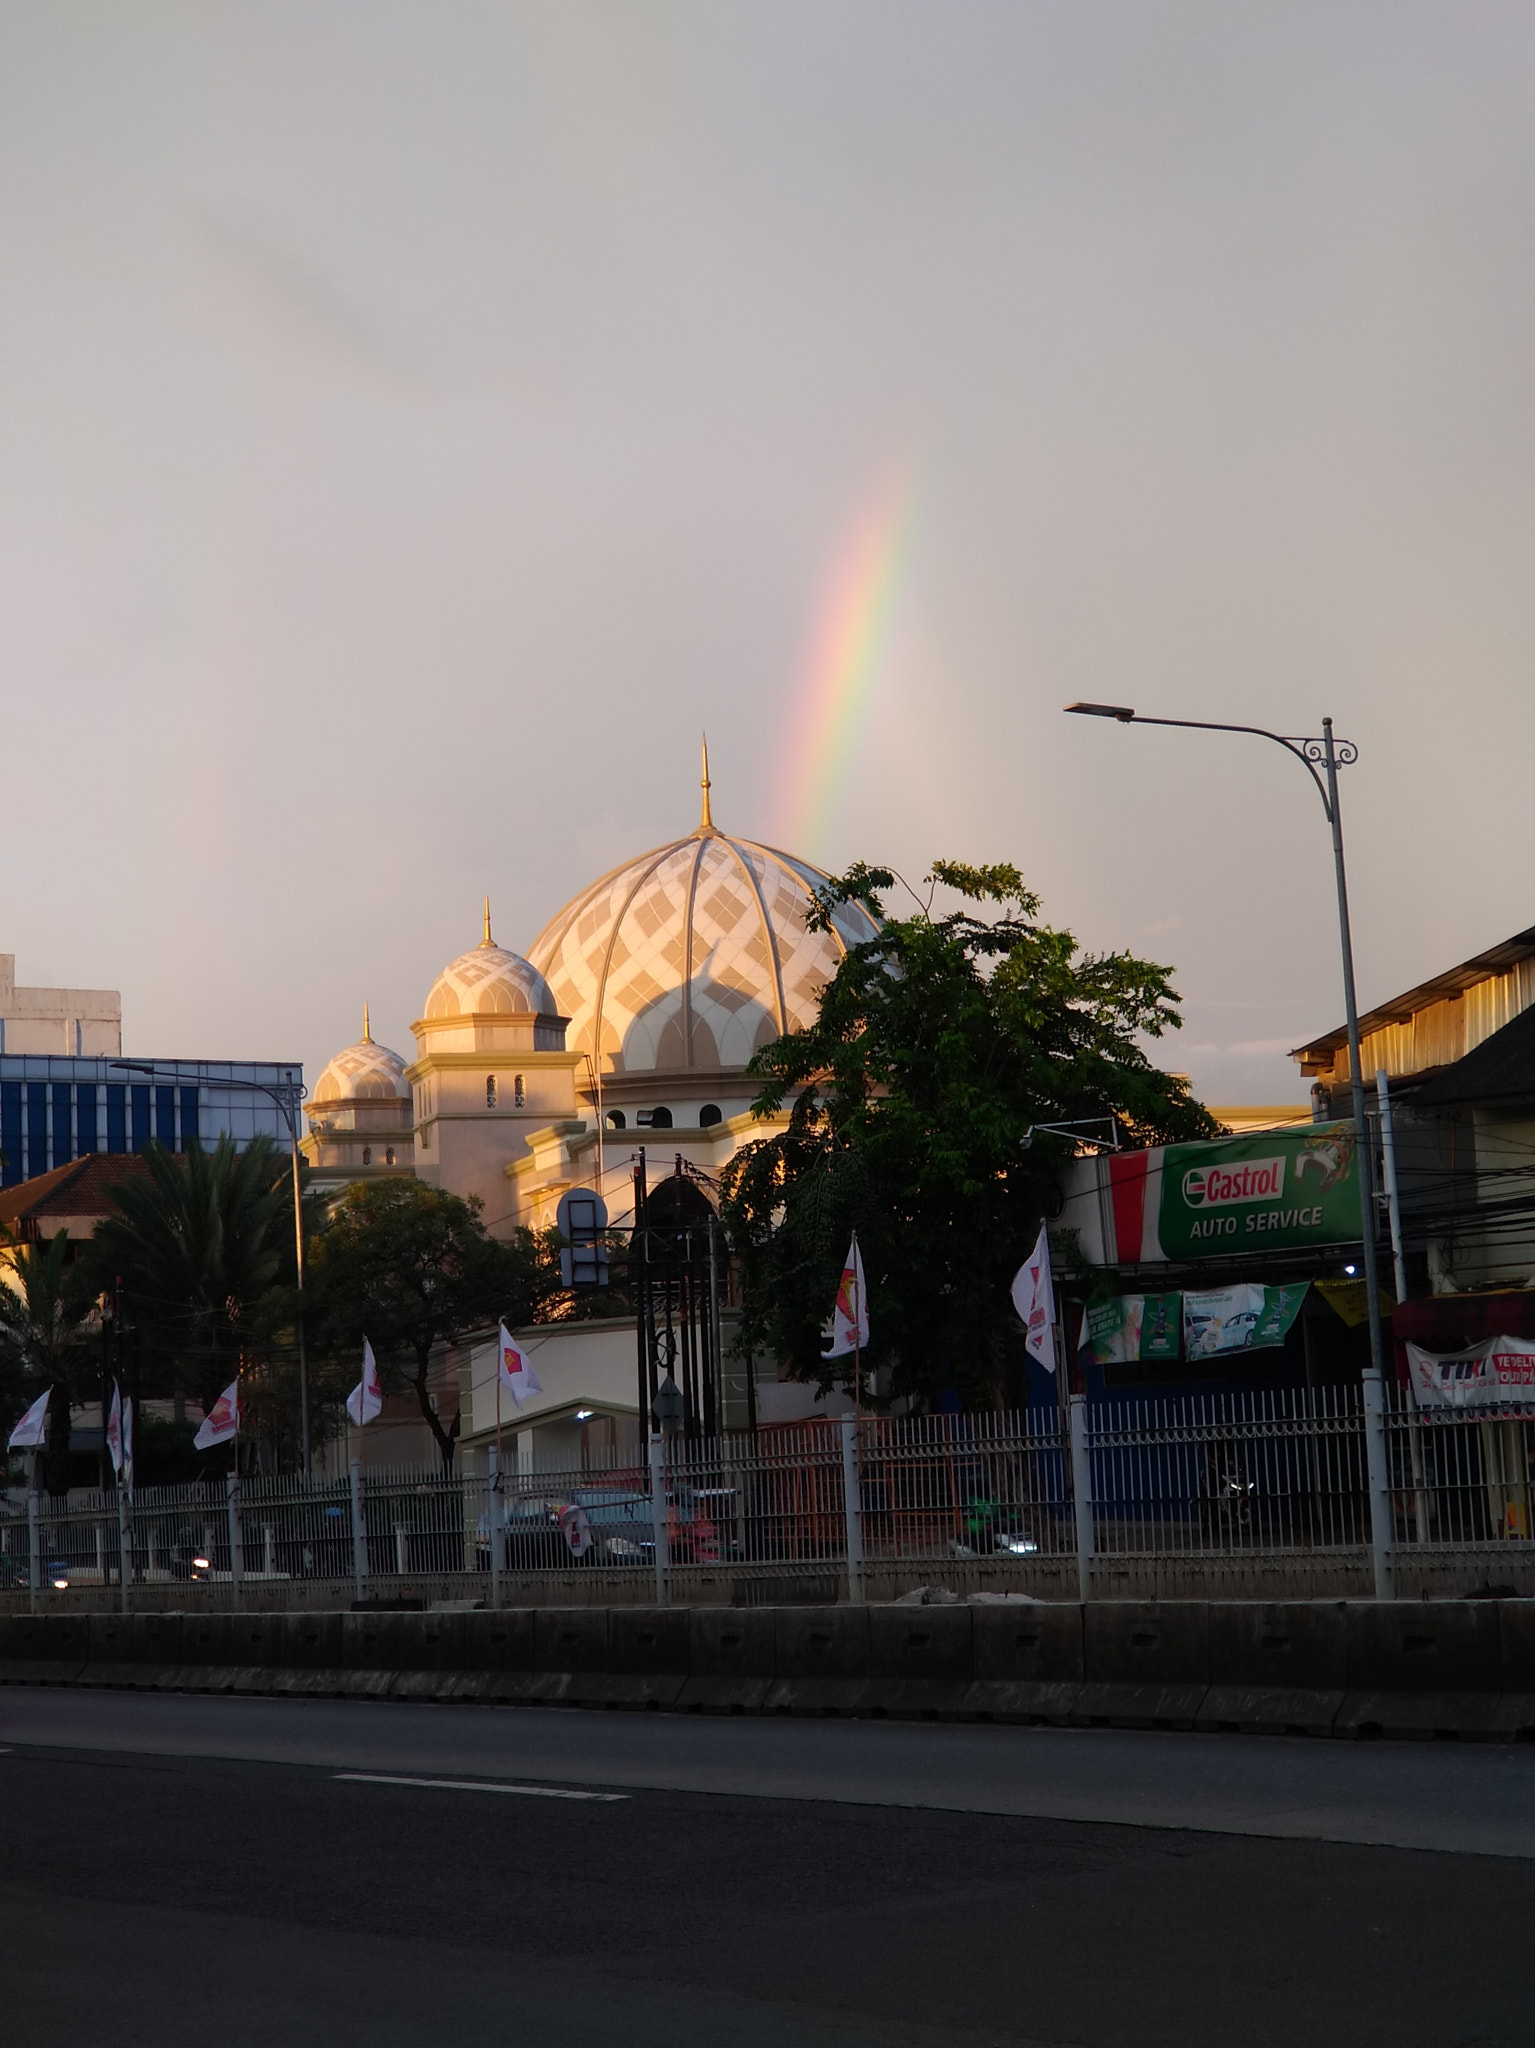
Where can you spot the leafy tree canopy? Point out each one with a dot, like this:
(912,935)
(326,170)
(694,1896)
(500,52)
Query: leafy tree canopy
(199,1248)
(411,1267)
(941,1046)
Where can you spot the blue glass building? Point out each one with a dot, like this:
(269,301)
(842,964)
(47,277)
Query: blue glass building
(56,1110)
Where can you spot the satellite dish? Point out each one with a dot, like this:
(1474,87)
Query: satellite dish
(581,1219)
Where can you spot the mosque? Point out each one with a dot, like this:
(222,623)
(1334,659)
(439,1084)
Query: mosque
(627,1024)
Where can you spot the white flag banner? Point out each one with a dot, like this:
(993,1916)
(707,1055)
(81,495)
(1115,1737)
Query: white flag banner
(32,1430)
(128,1447)
(222,1420)
(514,1374)
(1034,1298)
(848,1329)
(115,1429)
(1497,1373)
(367,1397)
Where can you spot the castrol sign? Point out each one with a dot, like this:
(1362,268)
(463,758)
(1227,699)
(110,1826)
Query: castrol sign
(1252,1180)
(1271,1191)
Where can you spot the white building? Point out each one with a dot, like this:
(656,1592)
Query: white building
(67,1022)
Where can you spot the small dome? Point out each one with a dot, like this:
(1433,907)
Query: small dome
(489,982)
(365,1072)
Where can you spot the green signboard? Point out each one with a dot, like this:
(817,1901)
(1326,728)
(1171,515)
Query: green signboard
(1270,1191)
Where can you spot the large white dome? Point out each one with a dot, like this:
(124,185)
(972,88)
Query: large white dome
(692,956)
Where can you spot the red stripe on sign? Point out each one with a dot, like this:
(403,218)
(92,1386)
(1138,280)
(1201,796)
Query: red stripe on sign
(1127,1187)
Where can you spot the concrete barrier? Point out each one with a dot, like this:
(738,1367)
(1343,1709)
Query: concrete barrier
(570,1648)
(731,1652)
(1422,1667)
(1514,1716)
(920,1662)
(646,1664)
(1146,1663)
(432,1650)
(46,1649)
(821,1660)
(205,1663)
(309,1653)
(1027,1661)
(1276,1666)
(498,1656)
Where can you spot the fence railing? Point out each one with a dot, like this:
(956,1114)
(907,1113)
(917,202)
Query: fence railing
(1266,1491)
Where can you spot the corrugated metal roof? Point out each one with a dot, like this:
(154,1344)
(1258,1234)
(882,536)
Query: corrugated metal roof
(1498,963)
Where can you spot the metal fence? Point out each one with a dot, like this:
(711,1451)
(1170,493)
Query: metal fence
(1262,1492)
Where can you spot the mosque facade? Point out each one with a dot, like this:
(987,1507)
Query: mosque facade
(627,1025)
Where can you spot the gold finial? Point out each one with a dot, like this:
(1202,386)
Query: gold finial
(367,1031)
(487,940)
(706,821)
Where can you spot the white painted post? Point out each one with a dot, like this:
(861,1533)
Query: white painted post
(495,1515)
(124,1548)
(1082,1495)
(34,1555)
(852,1510)
(359,1531)
(236,1535)
(658,1516)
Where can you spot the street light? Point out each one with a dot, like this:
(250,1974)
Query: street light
(1332,755)
(288,1099)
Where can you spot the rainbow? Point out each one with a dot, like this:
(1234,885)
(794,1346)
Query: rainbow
(851,635)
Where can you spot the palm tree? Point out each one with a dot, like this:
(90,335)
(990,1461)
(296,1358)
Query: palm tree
(195,1250)
(47,1330)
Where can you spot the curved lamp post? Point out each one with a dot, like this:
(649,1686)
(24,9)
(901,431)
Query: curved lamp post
(1330,754)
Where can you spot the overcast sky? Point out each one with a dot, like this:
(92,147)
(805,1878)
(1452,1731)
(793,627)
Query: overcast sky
(417,422)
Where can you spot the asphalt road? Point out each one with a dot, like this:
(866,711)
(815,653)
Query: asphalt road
(239,1872)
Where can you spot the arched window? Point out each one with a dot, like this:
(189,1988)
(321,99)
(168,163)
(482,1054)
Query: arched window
(617,1121)
(490,1091)
(658,1119)
(709,1114)
(367,1155)
(389,1156)
(517,1092)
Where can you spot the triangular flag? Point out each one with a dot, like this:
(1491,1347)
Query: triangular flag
(222,1420)
(849,1325)
(513,1371)
(32,1430)
(115,1429)
(1034,1299)
(367,1397)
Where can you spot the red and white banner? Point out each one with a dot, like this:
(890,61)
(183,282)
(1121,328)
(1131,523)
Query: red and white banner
(32,1430)
(115,1429)
(367,1398)
(1034,1298)
(1497,1373)
(848,1329)
(222,1420)
(514,1375)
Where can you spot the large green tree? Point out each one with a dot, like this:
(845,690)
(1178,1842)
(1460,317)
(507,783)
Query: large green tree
(916,1101)
(410,1268)
(49,1337)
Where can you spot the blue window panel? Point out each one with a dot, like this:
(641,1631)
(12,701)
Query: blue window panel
(140,1095)
(63,1118)
(10,1131)
(191,1128)
(117,1117)
(85,1117)
(37,1128)
(165,1117)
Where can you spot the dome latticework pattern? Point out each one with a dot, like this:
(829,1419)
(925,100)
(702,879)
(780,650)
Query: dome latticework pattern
(489,982)
(365,1072)
(693,956)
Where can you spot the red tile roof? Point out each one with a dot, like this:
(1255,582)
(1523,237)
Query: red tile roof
(79,1189)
